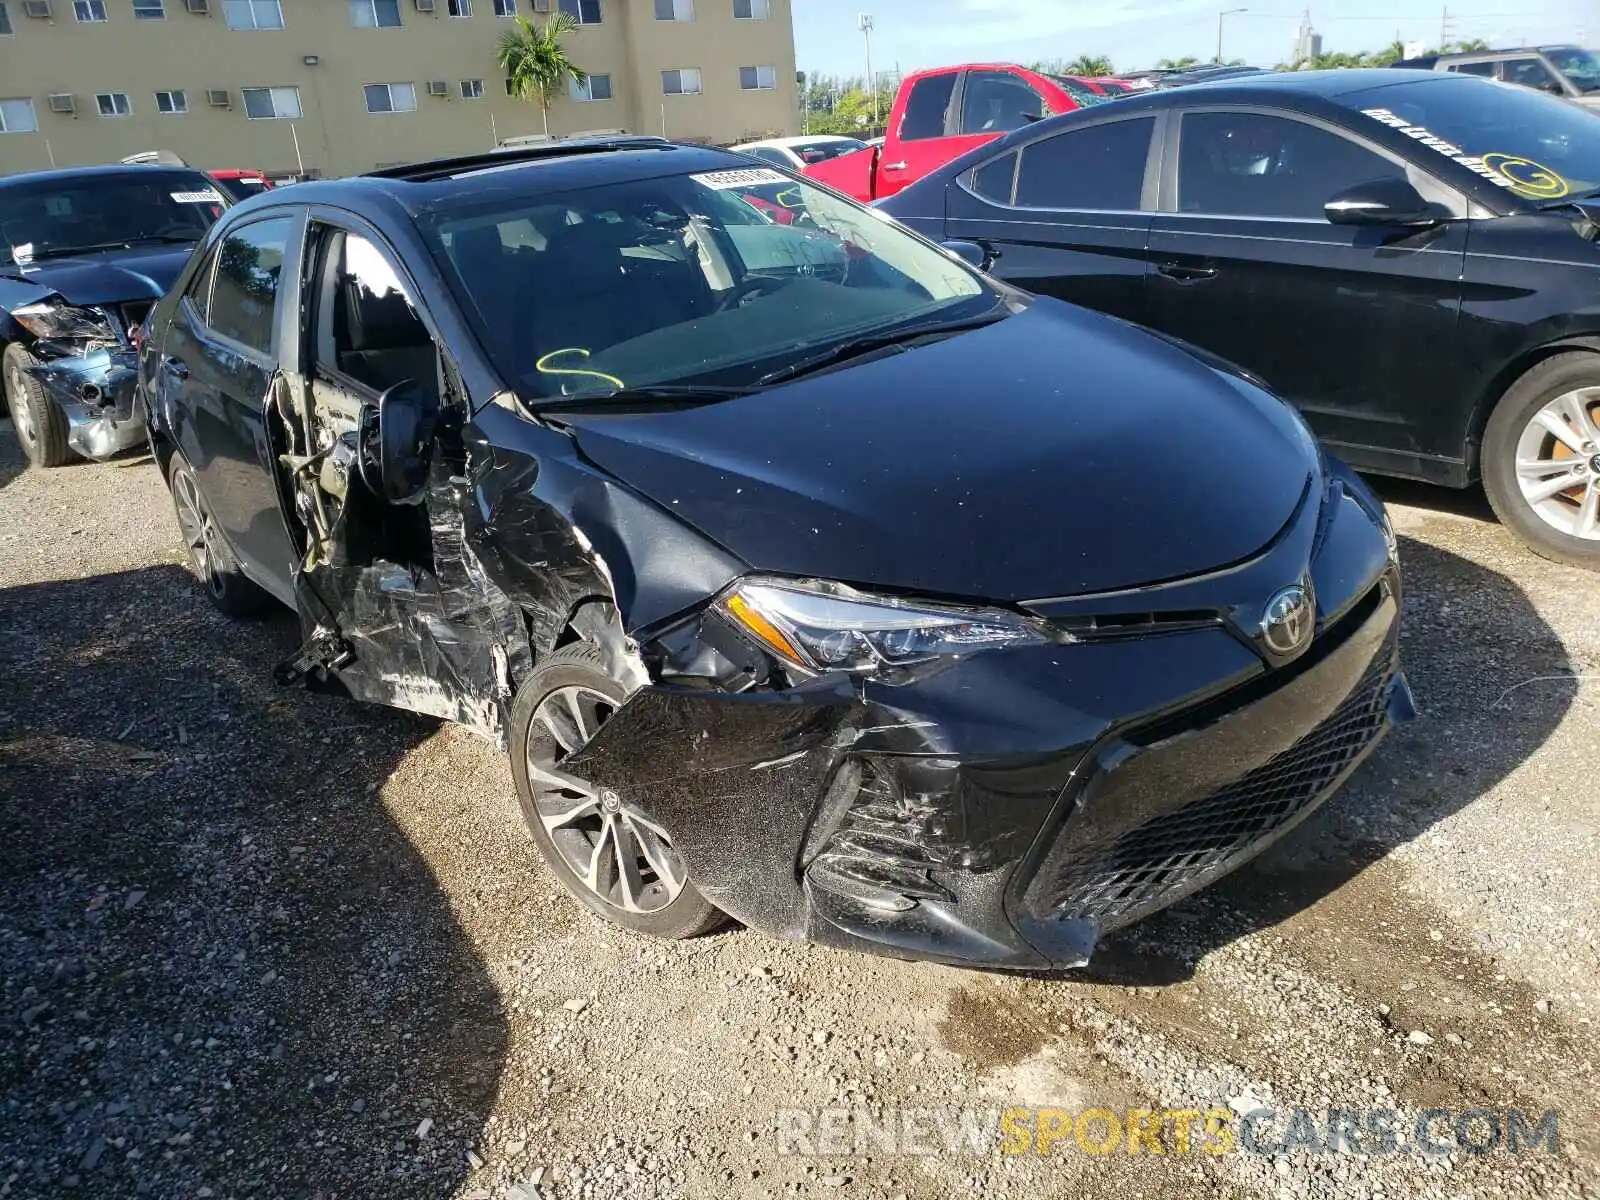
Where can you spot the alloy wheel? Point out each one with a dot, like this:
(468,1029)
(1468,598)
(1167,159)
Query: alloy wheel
(17,402)
(615,851)
(1558,463)
(199,530)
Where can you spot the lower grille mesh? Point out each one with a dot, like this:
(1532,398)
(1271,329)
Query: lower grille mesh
(1138,871)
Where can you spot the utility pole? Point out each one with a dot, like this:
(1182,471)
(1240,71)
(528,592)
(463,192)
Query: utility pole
(1444,29)
(1227,12)
(864,23)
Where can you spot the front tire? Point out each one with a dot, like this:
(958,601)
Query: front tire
(602,846)
(40,424)
(226,585)
(1541,459)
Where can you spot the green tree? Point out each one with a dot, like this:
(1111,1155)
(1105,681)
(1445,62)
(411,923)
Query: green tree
(1177,64)
(536,63)
(1091,65)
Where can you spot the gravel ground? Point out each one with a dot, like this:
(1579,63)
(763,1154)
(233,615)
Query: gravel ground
(264,943)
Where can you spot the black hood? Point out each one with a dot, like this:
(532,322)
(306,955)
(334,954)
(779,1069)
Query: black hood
(108,276)
(1054,453)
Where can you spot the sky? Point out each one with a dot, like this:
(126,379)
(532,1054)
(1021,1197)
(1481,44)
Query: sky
(912,34)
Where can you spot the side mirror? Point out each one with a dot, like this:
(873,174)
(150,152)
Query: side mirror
(970,253)
(401,445)
(1380,202)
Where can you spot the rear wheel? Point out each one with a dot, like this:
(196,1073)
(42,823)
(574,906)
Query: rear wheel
(209,554)
(40,424)
(602,845)
(1541,459)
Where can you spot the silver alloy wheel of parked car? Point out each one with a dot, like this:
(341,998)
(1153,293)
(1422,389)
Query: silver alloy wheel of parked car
(619,855)
(199,531)
(16,401)
(1558,463)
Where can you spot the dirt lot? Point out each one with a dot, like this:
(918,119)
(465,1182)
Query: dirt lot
(262,943)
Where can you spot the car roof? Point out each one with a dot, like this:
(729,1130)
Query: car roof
(102,171)
(802,140)
(1503,52)
(526,173)
(1328,84)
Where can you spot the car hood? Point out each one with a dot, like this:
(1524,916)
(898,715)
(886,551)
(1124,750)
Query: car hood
(109,277)
(1055,453)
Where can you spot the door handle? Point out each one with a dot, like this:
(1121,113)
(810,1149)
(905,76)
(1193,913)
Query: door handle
(899,166)
(176,367)
(1179,273)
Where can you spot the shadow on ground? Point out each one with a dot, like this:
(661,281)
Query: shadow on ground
(1462,502)
(1468,634)
(222,965)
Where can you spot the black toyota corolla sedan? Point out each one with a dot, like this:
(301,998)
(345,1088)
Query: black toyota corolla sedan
(809,576)
(1411,259)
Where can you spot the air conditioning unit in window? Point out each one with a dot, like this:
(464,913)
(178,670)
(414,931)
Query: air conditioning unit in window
(424,6)
(63,102)
(219,97)
(438,87)
(39,9)
(200,8)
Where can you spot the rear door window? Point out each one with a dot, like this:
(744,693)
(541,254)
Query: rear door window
(1485,69)
(245,294)
(1099,168)
(927,107)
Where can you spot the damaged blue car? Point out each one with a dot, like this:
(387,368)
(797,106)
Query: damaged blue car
(85,254)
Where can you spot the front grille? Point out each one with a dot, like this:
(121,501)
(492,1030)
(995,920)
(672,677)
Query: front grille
(1121,878)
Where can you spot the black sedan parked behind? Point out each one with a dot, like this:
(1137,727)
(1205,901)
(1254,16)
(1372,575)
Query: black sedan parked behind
(810,576)
(84,255)
(1411,259)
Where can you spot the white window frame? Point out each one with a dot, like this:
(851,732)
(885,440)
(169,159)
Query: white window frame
(772,75)
(682,10)
(33,115)
(231,7)
(505,8)
(476,92)
(95,8)
(178,98)
(149,10)
(127,104)
(760,10)
(576,11)
(583,92)
(458,9)
(699,81)
(393,109)
(273,94)
(371,9)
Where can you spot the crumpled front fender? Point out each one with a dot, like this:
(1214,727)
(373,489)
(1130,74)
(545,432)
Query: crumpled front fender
(98,393)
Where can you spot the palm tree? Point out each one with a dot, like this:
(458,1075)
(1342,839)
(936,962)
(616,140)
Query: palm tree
(1178,64)
(1091,65)
(536,63)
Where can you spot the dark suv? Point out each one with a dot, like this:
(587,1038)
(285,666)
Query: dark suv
(805,571)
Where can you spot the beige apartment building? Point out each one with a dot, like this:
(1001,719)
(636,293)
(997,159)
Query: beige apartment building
(334,87)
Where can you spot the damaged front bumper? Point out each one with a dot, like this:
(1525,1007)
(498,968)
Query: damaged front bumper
(97,391)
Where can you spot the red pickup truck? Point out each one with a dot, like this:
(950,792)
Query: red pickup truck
(939,115)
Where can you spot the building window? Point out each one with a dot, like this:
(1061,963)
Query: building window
(17,116)
(472,89)
(674,10)
(685,81)
(173,102)
(113,104)
(5,20)
(272,104)
(505,8)
(149,10)
(375,14)
(459,8)
(391,97)
(757,79)
(89,11)
(594,87)
(253,14)
(752,10)
(585,12)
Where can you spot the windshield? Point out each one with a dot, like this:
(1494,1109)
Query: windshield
(1579,66)
(1528,143)
(1079,91)
(815,152)
(48,218)
(714,278)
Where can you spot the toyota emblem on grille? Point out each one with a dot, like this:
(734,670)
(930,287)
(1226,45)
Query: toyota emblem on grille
(1288,621)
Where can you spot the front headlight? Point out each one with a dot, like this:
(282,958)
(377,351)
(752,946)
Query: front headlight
(65,323)
(819,626)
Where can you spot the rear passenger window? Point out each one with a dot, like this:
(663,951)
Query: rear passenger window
(1486,69)
(927,106)
(992,181)
(245,294)
(1101,167)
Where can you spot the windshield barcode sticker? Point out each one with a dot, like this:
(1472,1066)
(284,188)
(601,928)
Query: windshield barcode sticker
(721,181)
(206,197)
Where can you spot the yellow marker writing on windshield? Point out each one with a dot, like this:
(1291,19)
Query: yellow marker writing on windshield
(544,370)
(1528,178)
